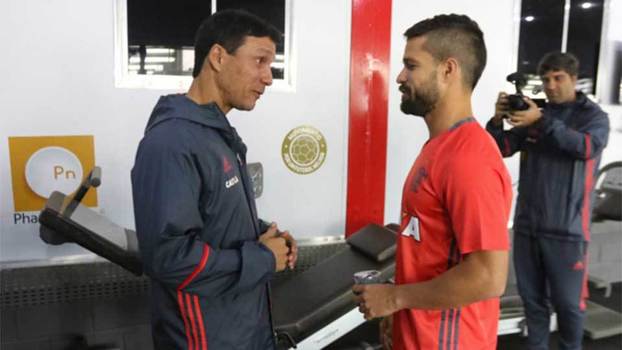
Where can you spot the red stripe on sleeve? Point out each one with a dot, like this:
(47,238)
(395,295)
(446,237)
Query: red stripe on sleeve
(197,270)
(193,341)
(193,324)
(182,309)
(587,191)
(507,146)
(197,311)
(585,292)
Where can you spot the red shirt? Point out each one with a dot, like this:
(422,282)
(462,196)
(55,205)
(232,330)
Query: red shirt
(456,200)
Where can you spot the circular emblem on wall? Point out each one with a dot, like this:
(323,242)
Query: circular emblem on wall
(304,150)
(53,169)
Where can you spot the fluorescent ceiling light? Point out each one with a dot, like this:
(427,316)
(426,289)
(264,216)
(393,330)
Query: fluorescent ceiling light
(586,5)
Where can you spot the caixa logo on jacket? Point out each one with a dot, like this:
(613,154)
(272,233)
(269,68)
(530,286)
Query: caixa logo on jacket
(232,178)
(43,164)
(232,181)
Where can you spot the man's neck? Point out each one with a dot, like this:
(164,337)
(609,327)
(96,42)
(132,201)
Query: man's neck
(448,112)
(201,93)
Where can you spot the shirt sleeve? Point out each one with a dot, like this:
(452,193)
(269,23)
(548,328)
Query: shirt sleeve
(478,193)
(166,187)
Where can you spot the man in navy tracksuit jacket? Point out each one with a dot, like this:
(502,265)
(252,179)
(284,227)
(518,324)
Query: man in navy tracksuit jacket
(560,150)
(209,258)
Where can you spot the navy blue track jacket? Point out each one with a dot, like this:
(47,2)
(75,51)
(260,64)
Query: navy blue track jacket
(197,228)
(560,155)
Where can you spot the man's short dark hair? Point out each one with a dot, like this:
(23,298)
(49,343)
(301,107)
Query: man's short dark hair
(455,36)
(559,61)
(229,28)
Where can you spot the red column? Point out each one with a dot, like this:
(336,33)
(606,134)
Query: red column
(369,85)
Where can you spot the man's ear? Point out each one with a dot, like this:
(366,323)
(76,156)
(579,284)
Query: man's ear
(216,56)
(450,69)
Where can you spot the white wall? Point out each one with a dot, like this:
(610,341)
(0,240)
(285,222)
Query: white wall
(314,204)
(57,78)
(57,69)
(407,134)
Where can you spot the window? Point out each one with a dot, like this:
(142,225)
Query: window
(155,38)
(584,34)
(566,25)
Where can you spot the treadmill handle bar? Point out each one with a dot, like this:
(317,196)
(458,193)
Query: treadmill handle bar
(93,180)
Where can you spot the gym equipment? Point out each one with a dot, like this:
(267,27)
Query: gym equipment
(608,191)
(311,309)
(64,219)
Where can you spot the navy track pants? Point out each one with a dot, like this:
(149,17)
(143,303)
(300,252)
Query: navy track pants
(552,272)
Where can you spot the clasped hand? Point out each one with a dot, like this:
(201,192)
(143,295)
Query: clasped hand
(282,245)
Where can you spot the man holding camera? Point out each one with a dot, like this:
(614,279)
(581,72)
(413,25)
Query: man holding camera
(560,147)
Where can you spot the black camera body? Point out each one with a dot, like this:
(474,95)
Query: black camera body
(516,101)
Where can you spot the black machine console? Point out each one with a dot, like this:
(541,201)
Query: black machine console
(64,219)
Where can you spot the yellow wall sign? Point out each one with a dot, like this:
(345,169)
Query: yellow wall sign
(43,164)
(304,150)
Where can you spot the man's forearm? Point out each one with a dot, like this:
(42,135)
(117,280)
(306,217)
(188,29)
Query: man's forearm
(472,280)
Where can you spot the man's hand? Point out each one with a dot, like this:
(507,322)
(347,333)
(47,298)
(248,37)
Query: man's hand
(386,332)
(521,119)
(502,109)
(375,300)
(277,245)
(292,255)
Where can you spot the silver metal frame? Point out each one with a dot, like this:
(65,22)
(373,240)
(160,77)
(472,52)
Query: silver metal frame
(88,258)
(517,24)
(332,331)
(566,24)
(320,240)
(602,83)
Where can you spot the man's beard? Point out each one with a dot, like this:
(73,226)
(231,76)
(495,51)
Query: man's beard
(421,102)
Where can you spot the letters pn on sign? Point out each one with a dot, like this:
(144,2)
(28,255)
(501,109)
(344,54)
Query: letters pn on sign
(59,171)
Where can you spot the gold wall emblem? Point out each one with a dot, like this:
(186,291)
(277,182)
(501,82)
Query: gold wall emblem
(304,150)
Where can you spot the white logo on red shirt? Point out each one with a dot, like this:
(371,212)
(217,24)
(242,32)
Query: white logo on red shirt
(412,229)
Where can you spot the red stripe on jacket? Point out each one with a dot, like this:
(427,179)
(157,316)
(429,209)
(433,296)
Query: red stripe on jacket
(507,146)
(191,329)
(197,311)
(191,317)
(589,171)
(182,309)
(197,270)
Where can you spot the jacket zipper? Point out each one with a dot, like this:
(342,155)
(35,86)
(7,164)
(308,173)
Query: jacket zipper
(243,173)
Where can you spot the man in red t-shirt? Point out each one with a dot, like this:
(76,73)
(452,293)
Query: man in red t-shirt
(452,248)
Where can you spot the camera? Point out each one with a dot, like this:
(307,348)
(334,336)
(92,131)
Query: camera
(516,101)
